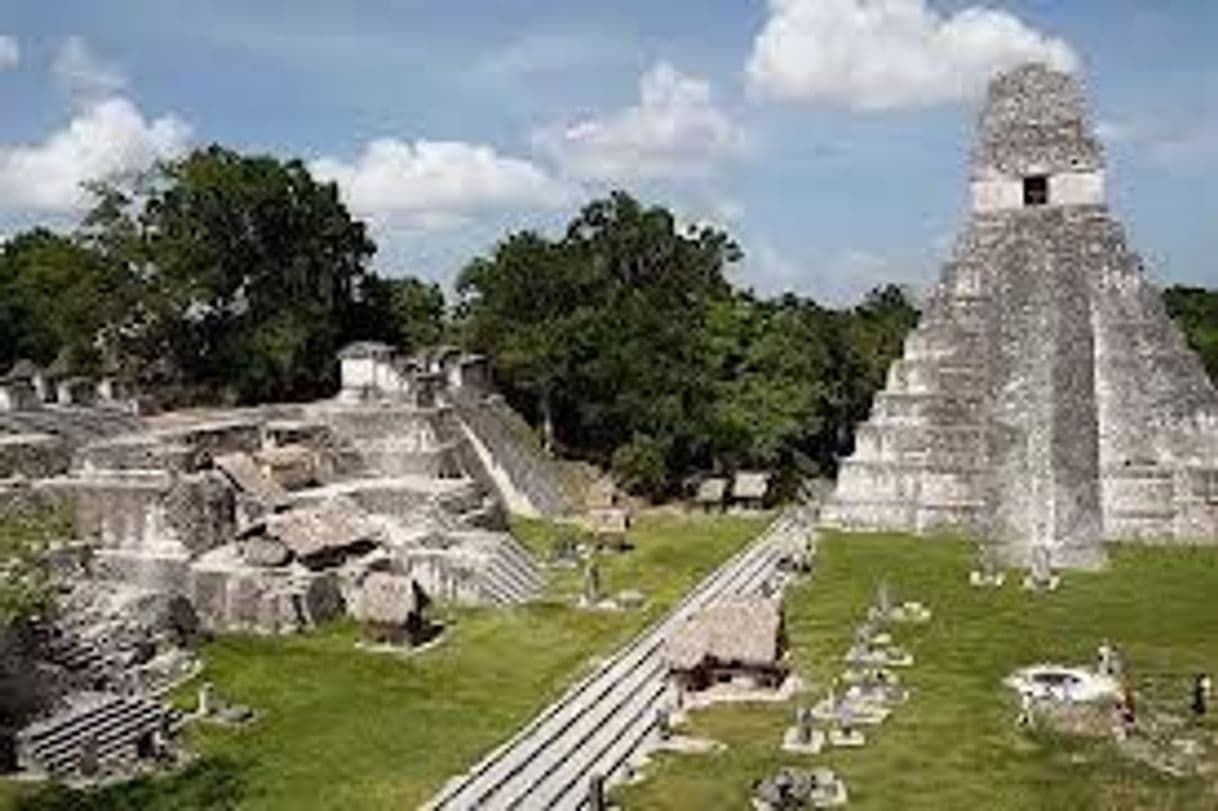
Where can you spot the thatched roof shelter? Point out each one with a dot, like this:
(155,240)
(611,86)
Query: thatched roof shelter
(365,349)
(609,521)
(601,494)
(23,369)
(60,367)
(742,631)
(711,491)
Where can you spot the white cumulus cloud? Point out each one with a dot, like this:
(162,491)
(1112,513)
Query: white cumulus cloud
(885,54)
(85,74)
(108,140)
(432,184)
(675,130)
(10,52)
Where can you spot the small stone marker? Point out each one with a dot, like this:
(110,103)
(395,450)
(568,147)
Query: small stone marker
(1040,575)
(592,581)
(883,599)
(596,793)
(1106,660)
(206,699)
(663,723)
(988,572)
(88,764)
(803,723)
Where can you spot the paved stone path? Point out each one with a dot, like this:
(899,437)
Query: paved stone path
(607,720)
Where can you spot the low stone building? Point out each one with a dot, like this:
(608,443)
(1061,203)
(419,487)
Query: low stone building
(23,387)
(750,488)
(711,493)
(76,391)
(17,394)
(741,641)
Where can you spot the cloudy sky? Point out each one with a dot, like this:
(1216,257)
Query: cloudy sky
(829,136)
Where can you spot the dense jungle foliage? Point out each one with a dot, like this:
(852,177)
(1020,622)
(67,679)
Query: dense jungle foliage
(230,278)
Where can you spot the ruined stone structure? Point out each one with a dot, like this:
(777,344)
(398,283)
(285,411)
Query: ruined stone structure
(1045,401)
(273,518)
(505,449)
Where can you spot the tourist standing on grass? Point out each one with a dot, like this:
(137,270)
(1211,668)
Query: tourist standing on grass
(1025,709)
(1201,694)
(1125,713)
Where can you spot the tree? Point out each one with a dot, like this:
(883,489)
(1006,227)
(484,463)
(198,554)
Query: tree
(406,312)
(1195,311)
(870,339)
(56,296)
(248,273)
(774,372)
(599,333)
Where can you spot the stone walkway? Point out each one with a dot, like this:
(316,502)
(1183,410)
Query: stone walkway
(607,721)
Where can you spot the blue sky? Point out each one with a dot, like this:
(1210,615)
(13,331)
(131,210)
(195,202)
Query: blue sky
(829,136)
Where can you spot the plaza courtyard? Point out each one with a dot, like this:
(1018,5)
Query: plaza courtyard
(345,728)
(955,744)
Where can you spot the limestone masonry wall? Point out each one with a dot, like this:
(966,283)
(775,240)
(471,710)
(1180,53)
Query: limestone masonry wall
(1045,399)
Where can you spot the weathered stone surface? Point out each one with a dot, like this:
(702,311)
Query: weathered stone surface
(199,511)
(292,467)
(264,552)
(32,455)
(1045,399)
(322,534)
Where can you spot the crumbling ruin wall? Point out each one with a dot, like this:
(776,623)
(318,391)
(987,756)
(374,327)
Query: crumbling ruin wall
(32,456)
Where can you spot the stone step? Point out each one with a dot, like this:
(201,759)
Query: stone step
(509,440)
(113,722)
(603,720)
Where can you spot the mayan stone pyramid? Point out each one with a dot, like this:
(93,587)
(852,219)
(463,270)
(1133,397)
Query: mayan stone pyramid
(1045,401)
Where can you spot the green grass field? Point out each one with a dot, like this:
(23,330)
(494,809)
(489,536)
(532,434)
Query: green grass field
(347,729)
(954,745)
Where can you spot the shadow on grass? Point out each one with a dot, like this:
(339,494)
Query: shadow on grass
(210,784)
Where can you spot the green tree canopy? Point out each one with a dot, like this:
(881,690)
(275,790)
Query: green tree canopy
(248,271)
(600,333)
(1195,310)
(627,336)
(57,296)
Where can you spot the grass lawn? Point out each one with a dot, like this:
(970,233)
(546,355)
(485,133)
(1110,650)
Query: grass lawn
(347,729)
(954,745)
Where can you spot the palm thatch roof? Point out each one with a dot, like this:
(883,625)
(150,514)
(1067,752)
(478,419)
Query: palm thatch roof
(744,631)
(61,366)
(602,494)
(23,369)
(365,349)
